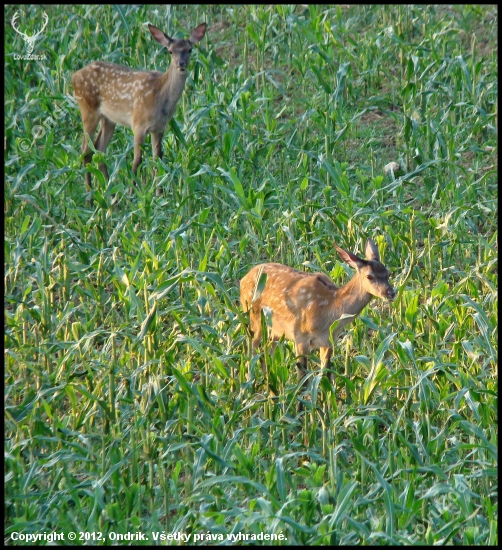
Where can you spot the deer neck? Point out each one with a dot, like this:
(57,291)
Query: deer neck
(173,83)
(352,297)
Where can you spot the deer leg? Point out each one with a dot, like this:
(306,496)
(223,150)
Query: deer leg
(157,145)
(302,351)
(255,326)
(270,352)
(326,354)
(256,329)
(139,139)
(157,152)
(90,120)
(106,129)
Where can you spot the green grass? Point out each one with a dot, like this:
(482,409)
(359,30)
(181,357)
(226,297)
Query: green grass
(127,401)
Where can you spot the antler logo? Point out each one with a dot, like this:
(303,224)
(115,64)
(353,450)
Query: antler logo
(30,40)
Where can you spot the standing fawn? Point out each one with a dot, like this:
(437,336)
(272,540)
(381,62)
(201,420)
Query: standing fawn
(304,305)
(145,101)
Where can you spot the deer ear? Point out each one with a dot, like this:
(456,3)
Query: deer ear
(198,33)
(371,251)
(350,259)
(161,37)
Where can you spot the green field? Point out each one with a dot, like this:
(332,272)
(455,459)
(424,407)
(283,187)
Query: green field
(132,401)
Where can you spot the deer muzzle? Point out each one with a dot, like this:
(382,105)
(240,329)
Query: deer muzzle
(390,294)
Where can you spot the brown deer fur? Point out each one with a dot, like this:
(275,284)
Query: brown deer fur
(304,305)
(145,101)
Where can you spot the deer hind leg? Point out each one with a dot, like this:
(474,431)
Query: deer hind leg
(302,351)
(90,121)
(157,152)
(255,326)
(326,354)
(139,139)
(105,134)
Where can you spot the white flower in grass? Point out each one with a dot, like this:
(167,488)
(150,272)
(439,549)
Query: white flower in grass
(392,167)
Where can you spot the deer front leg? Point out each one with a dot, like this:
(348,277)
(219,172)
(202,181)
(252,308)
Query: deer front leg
(87,160)
(137,156)
(157,145)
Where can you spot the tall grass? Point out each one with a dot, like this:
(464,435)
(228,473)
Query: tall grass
(132,403)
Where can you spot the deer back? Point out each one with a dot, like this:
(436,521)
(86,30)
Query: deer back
(299,301)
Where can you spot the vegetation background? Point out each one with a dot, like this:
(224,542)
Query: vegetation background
(127,404)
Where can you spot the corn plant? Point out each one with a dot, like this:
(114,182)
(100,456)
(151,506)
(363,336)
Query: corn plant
(132,400)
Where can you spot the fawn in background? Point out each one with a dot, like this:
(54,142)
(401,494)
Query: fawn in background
(145,101)
(303,305)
